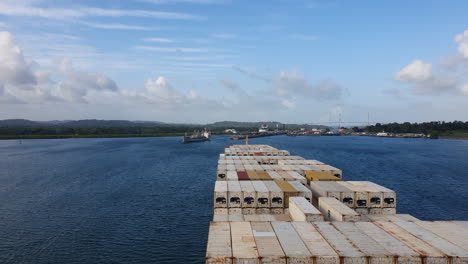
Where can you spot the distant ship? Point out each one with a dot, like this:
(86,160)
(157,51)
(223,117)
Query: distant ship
(198,136)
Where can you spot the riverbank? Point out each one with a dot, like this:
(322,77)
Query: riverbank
(7,137)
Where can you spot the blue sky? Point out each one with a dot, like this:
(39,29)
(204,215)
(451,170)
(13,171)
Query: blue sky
(210,60)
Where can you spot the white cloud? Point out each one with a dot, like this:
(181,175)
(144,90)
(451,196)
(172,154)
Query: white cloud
(13,68)
(25,8)
(462,40)
(424,81)
(162,40)
(290,84)
(175,49)
(117,26)
(418,70)
(464,89)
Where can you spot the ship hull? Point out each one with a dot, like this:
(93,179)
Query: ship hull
(194,140)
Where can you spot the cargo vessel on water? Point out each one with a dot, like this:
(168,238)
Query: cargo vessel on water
(198,136)
(272,207)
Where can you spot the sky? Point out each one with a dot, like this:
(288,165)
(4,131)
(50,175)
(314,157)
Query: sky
(201,61)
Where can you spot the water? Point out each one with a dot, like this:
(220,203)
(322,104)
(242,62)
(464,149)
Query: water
(149,200)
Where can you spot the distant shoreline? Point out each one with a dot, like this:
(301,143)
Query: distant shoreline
(13,137)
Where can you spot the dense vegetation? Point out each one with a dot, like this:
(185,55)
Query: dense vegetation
(439,128)
(19,128)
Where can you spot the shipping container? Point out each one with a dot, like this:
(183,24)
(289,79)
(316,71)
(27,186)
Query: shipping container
(302,190)
(274,175)
(389,196)
(361,196)
(362,211)
(259,218)
(348,252)
(331,189)
(242,176)
(288,191)
(295,250)
(268,246)
(249,195)
(321,251)
(377,211)
(235,210)
(389,211)
(302,210)
(220,211)
(263,194)
(329,169)
(286,176)
(263,211)
(448,230)
(376,253)
(220,218)
(276,211)
(244,249)
(220,194)
(234,194)
(221,175)
(276,194)
(458,255)
(263,176)
(334,210)
(462,223)
(282,217)
(232,176)
(236,217)
(297,177)
(407,217)
(219,247)
(375,194)
(252,175)
(390,243)
(249,211)
(320,176)
(430,254)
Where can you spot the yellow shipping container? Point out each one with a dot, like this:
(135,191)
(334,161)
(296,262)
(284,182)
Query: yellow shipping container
(263,176)
(288,191)
(253,175)
(320,176)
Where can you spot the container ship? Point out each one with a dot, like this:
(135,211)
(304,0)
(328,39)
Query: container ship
(197,136)
(273,207)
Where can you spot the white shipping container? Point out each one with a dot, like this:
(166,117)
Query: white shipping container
(236,217)
(249,211)
(220,211)
(274,175)
(332,189)
(375,195)
(389,196)
(268,246)
(262,211)
(447,230)
(221,175)
(232,176)
(259,218)
(362,211)
(377,211)
(297,177)
(343,247)
(234,210)
(219,247)
(321,251)
(368,246)
(263,194)
(234,194)
(334,210)
(220,194)
(458,254)
(302,190)
(231,167)
(389,211)
(431,254)
(276,211)
(391,244)
(407,217)
(295,250)
(361,196)
(276,194)
(220,218)
(249,194)
(462,223)
(302,210)
(244,249)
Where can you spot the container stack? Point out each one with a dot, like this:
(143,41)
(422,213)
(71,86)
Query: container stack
(271,207)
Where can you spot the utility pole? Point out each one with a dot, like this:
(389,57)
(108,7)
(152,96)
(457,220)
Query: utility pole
(339,122)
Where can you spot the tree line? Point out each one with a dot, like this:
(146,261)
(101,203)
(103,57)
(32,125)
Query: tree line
(419,128)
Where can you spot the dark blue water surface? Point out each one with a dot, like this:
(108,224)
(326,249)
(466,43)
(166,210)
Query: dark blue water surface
(149,200)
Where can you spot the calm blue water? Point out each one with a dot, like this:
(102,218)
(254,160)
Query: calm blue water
(149,200)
